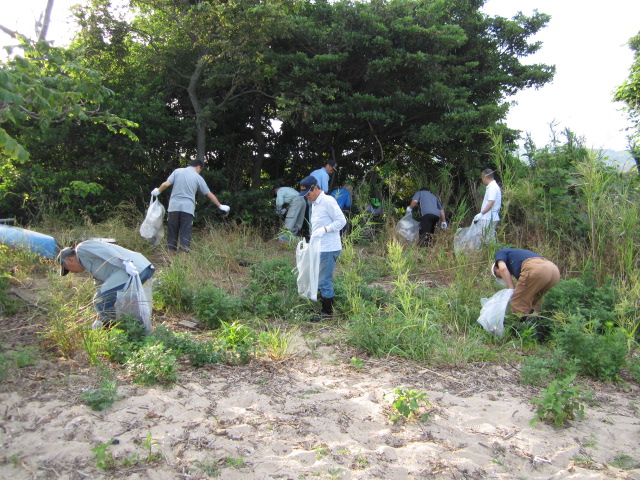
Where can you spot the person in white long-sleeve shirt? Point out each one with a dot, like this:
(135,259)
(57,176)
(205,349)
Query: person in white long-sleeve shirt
(327,220)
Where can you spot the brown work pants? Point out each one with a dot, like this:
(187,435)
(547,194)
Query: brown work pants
(537,276)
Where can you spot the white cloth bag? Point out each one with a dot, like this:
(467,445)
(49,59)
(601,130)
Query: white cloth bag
(152,228)
(407,227)
(308,267)
(135,300)
(493,309)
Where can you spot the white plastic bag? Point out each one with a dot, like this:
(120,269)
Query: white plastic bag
(468,238)
(493,309)
(407,227)
(308,266)
(152,228)
(135,300)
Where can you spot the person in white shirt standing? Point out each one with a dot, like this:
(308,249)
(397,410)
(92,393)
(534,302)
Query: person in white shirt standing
(489,215)
(182,204)
(327,220)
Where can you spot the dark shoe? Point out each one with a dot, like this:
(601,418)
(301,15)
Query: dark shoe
(327,307)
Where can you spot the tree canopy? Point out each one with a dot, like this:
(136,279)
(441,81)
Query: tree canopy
(268,91)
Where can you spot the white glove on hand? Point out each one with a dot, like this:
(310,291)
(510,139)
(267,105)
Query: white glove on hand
(444,225)
(409,209)
(155,192)
(130,268)
(477,217)
(283,211)
(224,208)
(97,325)
(319,233)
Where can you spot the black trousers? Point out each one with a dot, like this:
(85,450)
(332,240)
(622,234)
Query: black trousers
(179,224)
(427,228)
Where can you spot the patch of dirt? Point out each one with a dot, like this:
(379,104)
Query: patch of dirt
(312,416)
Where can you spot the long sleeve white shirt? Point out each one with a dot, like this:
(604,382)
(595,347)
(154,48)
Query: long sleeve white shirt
(325,213)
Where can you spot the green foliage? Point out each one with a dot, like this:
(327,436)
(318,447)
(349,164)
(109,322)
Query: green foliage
(172,290)
(634,367)
(213,305)
(107,461)
(559,402)
(237,341)
(102,397)
(205,353)
(597,354)
(538,370)
(152,365)
(272,290)
(26,356)
(581,296)
(408,402)
(275,342)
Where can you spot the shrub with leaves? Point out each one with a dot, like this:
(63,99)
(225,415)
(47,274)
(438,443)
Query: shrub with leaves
(600,355)
(213,305)
(538,370)
(272,290)
(237,342)
(559,402)
(584,297)
(152,364)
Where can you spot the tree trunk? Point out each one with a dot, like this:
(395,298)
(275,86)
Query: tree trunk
(201,122)
(260,145)
(42,34)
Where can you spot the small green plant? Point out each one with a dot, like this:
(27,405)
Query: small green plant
(204,353)
(408,403)
(360,462)
(634,368)
(236,342)
(275,343)
(356,363)
(559,402)
(151,365)
(102,397)
(26,356)
(208,468)
(148,444)
(234,462)
(322,452)
(624,462)
(104,458)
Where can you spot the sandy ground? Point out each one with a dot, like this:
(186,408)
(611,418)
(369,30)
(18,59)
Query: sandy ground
(312,416)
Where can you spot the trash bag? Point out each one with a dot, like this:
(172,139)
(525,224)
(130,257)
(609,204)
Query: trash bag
(468,238)
(135,300)
(152,229)
(308,267)
(493,309)
(407,227)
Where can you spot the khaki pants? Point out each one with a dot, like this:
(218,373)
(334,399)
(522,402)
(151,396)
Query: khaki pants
(537,277)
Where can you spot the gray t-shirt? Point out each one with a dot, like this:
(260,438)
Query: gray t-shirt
(285,196)
(104,261)
(429,203)
(186,183)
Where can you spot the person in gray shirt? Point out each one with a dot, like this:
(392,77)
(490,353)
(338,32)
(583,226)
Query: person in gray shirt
(182,204)
(430,211)
(293,206)
(110,266)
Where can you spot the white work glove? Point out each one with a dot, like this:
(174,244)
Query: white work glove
(155,192)
(224,208)
(130,268)
(409,209)
(477,217)
(97,325)
(444,225)
(283,211)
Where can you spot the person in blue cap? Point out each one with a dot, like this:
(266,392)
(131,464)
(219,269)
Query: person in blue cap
(327,220)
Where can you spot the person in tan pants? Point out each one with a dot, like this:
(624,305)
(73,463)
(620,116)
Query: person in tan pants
(535,274)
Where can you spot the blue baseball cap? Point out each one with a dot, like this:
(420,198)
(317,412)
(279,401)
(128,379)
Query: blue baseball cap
(306,184)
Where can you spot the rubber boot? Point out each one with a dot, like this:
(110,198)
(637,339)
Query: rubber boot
(327,307)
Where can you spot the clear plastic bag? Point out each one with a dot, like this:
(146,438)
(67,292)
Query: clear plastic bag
(407,227)
(308,267)
(135,299)
(152,228)
(493,309)
(468,238)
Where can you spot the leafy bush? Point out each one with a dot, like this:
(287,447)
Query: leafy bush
(597,355)
(559,402)
(178,342)
(272,290)
(213,306)
(408,402)
(204,353)
(538,370)
(172,290)
(583,297)
(634,367)
(151,365)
